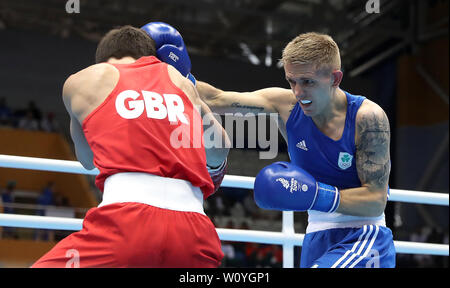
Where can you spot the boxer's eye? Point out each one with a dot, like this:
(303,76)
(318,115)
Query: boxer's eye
(307,82)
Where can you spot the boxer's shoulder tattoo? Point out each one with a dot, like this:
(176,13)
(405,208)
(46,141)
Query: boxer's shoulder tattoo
(372,148)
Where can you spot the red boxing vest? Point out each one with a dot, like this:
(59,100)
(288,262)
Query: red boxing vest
(147,124)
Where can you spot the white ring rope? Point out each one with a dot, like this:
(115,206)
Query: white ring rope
(231,181)
(286,238)
(237,235)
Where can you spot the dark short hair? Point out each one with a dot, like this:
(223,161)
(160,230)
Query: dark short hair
(125,41)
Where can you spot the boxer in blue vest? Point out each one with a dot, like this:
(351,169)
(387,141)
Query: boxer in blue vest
(338,144)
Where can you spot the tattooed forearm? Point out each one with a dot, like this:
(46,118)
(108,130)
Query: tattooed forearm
(372,149)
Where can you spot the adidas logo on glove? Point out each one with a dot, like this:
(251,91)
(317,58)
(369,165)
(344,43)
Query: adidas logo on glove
(269,194)
(293,185)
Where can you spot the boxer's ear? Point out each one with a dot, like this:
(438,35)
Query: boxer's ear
(336,78)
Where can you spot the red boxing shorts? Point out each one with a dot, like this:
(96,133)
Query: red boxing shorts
(131,233)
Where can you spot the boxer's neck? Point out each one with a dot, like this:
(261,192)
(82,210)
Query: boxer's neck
(123,60)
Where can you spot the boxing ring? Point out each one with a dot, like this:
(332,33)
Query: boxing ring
(287,238)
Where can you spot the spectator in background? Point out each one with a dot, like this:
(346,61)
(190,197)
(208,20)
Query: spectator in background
(36,112)
(28,119)
(239,248)
(237,211)
(220,207)
(60,200)
(276,258)
(45,199)
(436,235)
(229,255)
(251,210)
(28,122)
(62,205)
(264,256)
(49,124)
(5,114)
(228,249)
(251,252)
(8,198)
(420,235)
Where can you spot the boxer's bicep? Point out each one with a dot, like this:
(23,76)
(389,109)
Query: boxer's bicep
(372,149)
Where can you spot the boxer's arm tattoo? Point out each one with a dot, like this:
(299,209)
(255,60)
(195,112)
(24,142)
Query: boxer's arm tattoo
(250,108)
(372,149)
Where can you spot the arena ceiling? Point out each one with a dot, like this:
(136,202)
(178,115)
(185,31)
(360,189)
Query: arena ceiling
(249,30)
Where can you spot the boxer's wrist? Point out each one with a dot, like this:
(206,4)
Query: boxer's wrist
(327,198)
(218,168)
(217,173)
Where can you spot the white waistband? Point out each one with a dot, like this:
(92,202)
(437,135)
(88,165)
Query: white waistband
(162,192)
(319,226)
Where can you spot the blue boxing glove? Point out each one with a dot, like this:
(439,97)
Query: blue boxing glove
(284,186)
(170,47)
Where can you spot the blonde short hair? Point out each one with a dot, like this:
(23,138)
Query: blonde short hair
(313,48)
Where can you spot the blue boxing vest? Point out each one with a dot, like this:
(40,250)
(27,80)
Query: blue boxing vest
(329,161)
